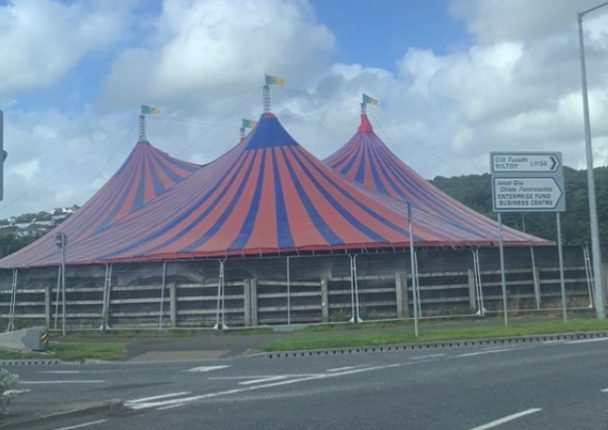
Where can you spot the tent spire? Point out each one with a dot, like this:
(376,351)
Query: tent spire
(363,108)
(268,81)
(142,129)
(266,98)
(242,130)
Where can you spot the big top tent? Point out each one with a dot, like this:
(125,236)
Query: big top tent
(366,160)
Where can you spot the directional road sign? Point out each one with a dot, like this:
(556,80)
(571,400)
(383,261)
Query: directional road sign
(527,194)
(529,162)
(527,182)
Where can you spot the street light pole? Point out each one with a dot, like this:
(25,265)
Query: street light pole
(595,239)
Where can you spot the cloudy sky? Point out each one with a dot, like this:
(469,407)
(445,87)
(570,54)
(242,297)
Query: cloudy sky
(455,79)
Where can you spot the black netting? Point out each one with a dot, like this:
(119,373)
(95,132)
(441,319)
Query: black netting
(296,289)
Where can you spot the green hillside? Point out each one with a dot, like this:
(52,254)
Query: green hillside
(475,191)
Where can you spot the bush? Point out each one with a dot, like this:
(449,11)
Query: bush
(8,381)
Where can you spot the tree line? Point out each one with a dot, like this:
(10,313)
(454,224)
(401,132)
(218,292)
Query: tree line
(475,191)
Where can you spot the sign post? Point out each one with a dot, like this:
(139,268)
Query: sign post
(528,182)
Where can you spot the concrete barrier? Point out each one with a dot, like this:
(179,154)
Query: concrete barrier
(29,339)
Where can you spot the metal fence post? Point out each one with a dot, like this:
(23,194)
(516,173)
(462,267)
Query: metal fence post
(254,301)
(162,295)
(472,284)
(173,303)
(47,306)
(246,302)
(13,304)
(221,300)
(324,301)
(503,281)
(105,307)
(403,302)
(288,294)
(413,265)
(63,306)
(353,318)
(58,289)
(589,274)
(356,276)
(477,270)
(562,283)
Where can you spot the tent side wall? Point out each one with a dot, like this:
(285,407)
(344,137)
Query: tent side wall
(296,289)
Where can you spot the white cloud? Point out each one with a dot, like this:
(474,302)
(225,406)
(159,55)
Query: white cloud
(41,40)
(26,170)
(516,88)
(498,20)
(210,47)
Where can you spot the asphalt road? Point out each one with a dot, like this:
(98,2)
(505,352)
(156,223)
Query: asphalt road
(555,385)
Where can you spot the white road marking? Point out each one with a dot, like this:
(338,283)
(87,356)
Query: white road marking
(79,426)
(8,392)
(506,419)
(60,372)
(74,381)
(605,390)
(270,378)
(338,369)
(232,378)
(597,339)
(548,342)
(422,357)
(162,396)
(207,368)
(489,351)
(185,400)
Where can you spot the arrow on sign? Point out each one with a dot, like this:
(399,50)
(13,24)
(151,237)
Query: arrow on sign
(554,162)
(527,194)
(525,162)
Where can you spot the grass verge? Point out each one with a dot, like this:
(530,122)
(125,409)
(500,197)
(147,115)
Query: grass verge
(71,352)
(353,338)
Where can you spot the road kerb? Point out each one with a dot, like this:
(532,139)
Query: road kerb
(439,344)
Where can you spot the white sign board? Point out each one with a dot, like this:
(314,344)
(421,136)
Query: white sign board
(527,182)
(527,194)
(513,162)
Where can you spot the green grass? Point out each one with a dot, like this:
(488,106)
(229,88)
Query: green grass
(82,351)
(71,352)
(130,334)
(15,355)
(347,337)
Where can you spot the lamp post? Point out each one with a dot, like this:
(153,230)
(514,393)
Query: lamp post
(595,239)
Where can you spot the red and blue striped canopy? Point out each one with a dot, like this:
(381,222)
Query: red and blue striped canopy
(146,174)
(267,195)
(365,159)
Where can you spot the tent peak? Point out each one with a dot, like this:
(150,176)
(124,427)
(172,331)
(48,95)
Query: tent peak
(268,133)
(365,126)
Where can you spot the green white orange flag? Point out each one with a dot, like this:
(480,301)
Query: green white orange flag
(275,80)
(369,100)
(248,123)
(149,110)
